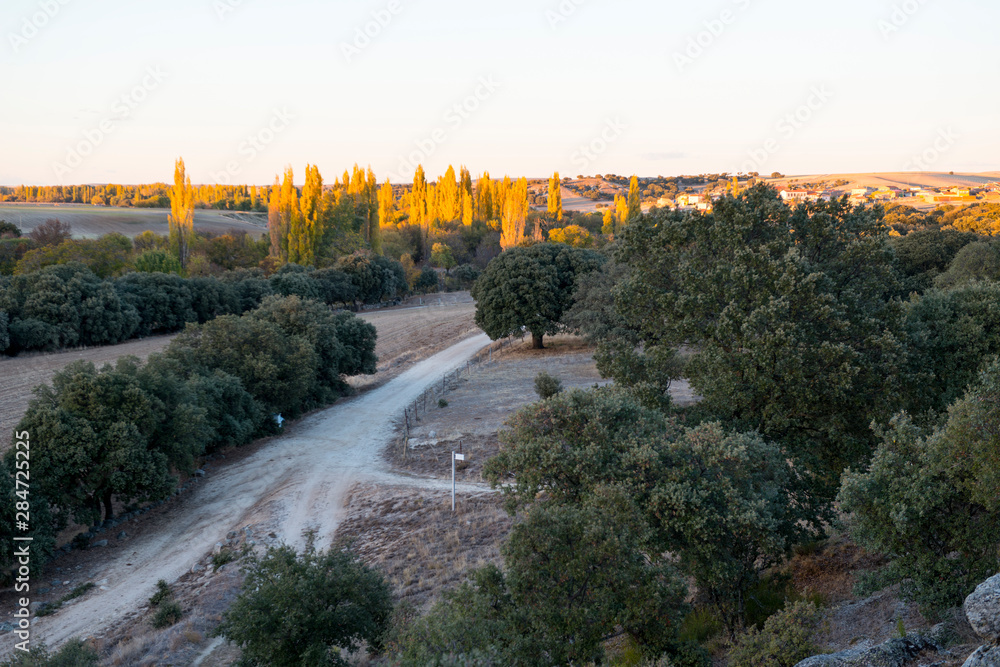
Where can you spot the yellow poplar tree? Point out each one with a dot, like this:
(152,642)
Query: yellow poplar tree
(609,223)
(386,205)
(621,208)
(449,207)
(634,200)
(467,209)
(514,215)
(484,198)
(279,236)
(305,227)
(418,198)
(181,220)
(555,197)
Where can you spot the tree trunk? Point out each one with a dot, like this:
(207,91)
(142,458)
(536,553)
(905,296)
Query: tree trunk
(536,341)
(109,512)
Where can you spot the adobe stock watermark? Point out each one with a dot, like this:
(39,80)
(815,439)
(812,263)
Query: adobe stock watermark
(901,14)
(224,8)
(121,109)
(32,25)
(787,127)
(563,12)
(698,44)
(944,141)
(454,117)
(254,145)
(366,34)
(588,153)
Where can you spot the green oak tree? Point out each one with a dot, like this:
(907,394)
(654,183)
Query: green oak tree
(530,288)
(794,316)
(307,609)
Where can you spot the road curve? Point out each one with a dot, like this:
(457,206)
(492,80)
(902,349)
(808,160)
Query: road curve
(293,484)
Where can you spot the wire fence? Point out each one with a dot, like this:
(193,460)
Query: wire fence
(412,413)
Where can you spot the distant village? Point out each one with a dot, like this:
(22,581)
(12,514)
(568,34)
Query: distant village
(865,195)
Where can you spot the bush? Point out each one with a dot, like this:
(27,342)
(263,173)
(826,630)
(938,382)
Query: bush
(917,504)
(785,640)
(547,386)
(74,653)
(167,613)
(307,609)
(162,594)
(157,261)
(277,369)
(63,306)
(427,282)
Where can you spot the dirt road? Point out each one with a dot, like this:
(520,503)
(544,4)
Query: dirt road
(292,484)
(404,334)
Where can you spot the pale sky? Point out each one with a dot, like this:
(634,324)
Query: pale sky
(100,91)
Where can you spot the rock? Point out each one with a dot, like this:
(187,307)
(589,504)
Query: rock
(986,656)
(217,549)
(982,608)
(102,582)
(122,535)
(432,435)
(196,568)
(99,543)
(199,473)
(893,653)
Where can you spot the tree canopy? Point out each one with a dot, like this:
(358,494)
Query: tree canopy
(530,288)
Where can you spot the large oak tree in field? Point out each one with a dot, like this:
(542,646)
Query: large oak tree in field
(530,287)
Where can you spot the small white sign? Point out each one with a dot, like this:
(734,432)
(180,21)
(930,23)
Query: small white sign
(459,457)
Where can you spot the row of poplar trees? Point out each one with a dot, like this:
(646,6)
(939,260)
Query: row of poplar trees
(298,218)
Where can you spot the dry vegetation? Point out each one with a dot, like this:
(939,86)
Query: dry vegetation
(415,539)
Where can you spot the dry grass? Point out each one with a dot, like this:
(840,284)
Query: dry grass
(480,401)
(415,539)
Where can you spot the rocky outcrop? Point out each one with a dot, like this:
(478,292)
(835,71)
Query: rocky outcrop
(893,653)
(986,656)
(982,608)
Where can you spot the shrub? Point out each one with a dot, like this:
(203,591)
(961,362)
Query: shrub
(916,504)
(74,653)
(162,594)
(785,640)
(167,614)
(157,261)
(427,282)
(307,609)
(547,386)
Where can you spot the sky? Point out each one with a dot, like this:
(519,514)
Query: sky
(114,91)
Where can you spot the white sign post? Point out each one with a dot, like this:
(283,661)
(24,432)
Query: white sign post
(455,456)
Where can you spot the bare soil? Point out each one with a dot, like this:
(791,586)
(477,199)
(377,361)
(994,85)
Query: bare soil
(90,222)
(416,540)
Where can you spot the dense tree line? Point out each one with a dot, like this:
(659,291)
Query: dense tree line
(116,436)
(68,305)
(836,362)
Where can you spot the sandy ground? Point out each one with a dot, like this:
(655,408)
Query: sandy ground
(404,334)
(90,222)
(292,484)
(574,202)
